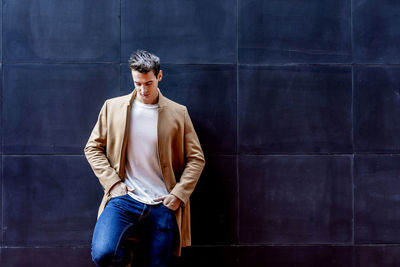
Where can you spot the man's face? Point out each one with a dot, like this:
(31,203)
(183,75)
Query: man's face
(146,85)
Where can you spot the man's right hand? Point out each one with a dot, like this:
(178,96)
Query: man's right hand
(120,189)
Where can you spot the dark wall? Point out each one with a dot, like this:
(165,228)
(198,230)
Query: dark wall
(296,104)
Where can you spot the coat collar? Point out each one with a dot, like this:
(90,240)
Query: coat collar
(162,102)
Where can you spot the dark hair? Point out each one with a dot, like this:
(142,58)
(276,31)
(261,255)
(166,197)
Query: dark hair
(143,62)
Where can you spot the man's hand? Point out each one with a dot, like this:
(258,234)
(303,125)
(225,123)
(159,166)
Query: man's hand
(120,189)
(170,201)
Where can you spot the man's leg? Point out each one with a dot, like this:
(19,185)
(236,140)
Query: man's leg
(112,227)
(161,223)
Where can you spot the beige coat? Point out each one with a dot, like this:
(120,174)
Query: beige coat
(180,154)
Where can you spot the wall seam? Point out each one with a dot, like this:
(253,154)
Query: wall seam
(2,131)
(221,155)
(120,33)
(209,64)
(353,260)
(352,158)
(237,241)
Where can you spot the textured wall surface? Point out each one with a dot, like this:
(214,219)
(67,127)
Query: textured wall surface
(296,104)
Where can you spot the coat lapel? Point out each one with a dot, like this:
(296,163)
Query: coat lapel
(161,130)
(126,113)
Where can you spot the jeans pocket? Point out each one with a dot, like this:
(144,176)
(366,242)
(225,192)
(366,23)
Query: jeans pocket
(162,205)
(118,196)
(166,219)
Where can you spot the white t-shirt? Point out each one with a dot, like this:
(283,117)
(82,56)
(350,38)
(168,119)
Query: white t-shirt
(142,164)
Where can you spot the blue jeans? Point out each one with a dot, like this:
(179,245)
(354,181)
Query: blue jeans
(124,217)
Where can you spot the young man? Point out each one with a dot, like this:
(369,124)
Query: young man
(147,157)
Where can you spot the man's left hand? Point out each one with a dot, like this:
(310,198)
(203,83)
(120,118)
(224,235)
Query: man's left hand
(170,201)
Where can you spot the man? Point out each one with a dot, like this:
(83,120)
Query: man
(147,157)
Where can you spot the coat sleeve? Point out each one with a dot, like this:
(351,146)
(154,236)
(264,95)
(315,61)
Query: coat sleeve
(194,162)
(95,152)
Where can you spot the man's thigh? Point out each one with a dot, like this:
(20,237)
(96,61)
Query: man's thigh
(162,230)
(116,222)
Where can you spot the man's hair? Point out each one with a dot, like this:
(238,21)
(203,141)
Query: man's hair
(143,62)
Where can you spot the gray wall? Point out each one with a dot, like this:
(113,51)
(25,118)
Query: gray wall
(296,104)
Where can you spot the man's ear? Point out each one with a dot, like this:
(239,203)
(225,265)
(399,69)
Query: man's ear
(159,78)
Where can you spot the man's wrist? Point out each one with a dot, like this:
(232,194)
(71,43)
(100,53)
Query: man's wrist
(113,187)
(182,204)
